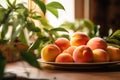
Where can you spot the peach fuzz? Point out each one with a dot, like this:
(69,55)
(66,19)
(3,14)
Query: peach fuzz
(62,43)
(50,52)
(114,53)
(70,50)
(79,38)
(83,54)
(100,55)
(97,43)
(64,57)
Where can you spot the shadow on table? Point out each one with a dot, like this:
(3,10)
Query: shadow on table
(13,76)
(106,68)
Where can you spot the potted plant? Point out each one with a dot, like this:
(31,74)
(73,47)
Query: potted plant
(17,18)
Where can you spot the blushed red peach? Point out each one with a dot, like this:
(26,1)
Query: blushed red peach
(64,57)
(70,50)
(97,43)
(100,55)
(62,43)
(79,38)
(83,54)
(50,52)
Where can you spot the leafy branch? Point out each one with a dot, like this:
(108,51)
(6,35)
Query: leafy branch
(21,21)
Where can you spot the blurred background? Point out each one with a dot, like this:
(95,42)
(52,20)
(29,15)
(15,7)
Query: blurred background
(105,13)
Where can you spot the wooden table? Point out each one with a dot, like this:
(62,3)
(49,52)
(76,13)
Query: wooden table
(106,73)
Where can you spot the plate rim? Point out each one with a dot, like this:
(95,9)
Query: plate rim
(77,63)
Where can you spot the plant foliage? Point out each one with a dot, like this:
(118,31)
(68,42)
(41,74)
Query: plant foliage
(21,21)
(114,39)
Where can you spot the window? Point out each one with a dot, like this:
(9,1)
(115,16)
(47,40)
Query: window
(67,15)
(75,9)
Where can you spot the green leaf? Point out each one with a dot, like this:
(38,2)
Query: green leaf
(68,25)
(2,14)
(4,30)
(2,65)
(14,26)
(36,44)
(87,23)
(31,26)
(30,58)
(20,6)
(65,36)
(3,41)
(115,45)
(113,41)
(41,5)
(45,23)
(1,6)
(20,11)
(14,2)
(95,29)
(18,30)
(9,3)
(22,37)
(117,32)
(54,32)
(117,37)
(53,11)
(58,29)
(55,5)
(53,8)
(36,17)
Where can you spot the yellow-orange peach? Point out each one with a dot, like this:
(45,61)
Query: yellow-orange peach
(50,52)
(79,38)
(97,43)
(114,53)
(100,55)
(83,54)
(70,50)
(64,57)
(62,43)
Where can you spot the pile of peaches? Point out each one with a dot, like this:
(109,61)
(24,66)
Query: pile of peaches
(80,48)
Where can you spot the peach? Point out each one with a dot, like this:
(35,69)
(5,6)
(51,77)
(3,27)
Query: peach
(97,43)
(64,57)
(114,53)
(100,55)
(79,38)
(62,43)
(70,50)
(83,54)
(50,52)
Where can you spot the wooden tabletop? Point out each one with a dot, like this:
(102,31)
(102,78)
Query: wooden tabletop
(22,68)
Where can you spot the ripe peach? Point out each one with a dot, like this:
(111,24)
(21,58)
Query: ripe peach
(83,54)
(62,43)
(50,52)
(79,38)
(114,53)
(70,50)
(64,57)
(100,55)
(97,43)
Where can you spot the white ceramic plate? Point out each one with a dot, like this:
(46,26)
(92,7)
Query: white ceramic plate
(80,65)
